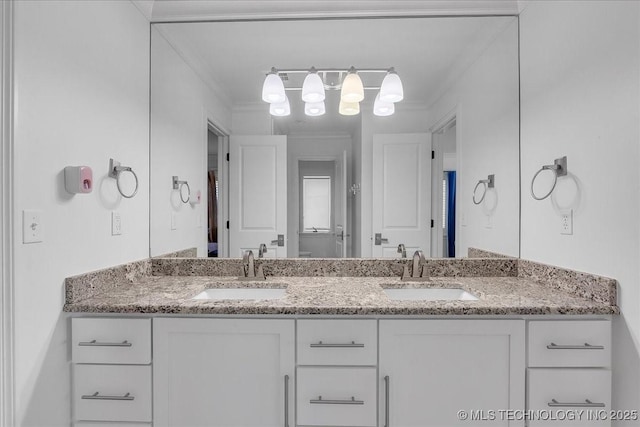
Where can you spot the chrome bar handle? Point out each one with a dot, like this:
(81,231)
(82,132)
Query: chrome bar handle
(587,404)
(321,401)
(586,346)
(94,343)
(320,344)
(286,401)
(97,396)
(386,401)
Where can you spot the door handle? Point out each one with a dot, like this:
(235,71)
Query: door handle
(379,240)
(279,241)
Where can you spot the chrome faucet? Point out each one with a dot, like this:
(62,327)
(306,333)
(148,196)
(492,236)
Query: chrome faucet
(262,250)
(416,274)
(249,269)
(402,250)
(418,257)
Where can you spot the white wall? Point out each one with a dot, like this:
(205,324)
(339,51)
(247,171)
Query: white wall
(82,92)
(405,120)
(181,104)
(485,99)
(252,120)
(580,76)
(309,147)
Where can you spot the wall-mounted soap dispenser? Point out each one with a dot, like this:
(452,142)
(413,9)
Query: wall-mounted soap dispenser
(78,179)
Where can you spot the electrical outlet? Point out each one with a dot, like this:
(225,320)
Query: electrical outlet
(566,222)
(32,229)
(116,224)
(174,221)
(463,219)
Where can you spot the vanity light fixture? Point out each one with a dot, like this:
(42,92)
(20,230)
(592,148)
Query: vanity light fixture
(352,88)
(382,108)
(273,88)
(317,81)
(391,89)
(313,87)
(280,109)
(314,108)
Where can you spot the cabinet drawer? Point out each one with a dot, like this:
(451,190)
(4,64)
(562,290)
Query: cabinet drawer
(337,342)
(126,341)
(336,396)
(124,393)
(570,343)
(570,388)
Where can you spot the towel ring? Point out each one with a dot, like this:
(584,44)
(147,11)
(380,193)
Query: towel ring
(487,183)
(559,168)
(115,171)
(177,185)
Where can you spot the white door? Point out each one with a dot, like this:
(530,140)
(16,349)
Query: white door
(223,372)
(341,206)
(432,369)
(401,194)
(258,194)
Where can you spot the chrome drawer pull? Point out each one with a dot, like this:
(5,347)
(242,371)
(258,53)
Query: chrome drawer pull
(587,404)
(96,396)
(586,346)
(386,401)
(286,401)
(95,343)
(353,344)
(353,401)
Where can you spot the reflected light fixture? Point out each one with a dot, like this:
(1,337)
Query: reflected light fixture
(391,89)
(314,108)
(318,81)
(313,87)
(273,88)
(381,108)
(280,109)
(349,108)
(352,88)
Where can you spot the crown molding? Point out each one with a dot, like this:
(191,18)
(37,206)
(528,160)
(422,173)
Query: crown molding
(145,7)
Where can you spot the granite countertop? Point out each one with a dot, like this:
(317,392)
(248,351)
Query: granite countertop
(338,296)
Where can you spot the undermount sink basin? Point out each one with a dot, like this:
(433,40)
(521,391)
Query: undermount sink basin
(429,294)
(240,294)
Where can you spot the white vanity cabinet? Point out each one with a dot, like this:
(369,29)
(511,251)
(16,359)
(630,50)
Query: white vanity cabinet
(429,370)
(223,372)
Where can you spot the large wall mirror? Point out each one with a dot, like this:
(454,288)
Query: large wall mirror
(440,174)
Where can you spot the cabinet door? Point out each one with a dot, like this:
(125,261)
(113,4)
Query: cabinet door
(221,372)
(436,368)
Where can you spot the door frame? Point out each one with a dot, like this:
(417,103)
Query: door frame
(223,181)
(293,250)
(7,331)
(437,169)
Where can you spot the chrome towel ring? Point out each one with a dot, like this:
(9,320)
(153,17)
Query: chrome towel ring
(487,183)
(116,170)
(177,185)
(559,168)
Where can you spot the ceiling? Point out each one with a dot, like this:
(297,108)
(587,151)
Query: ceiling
(428,54)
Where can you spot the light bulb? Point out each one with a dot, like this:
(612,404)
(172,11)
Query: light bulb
(280,109)
(352,88)
(349,108)
(391,89)
(314,108)
(273,88)
(313,87)
(381,108)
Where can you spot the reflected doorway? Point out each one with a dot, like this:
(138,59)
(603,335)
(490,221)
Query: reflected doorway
(444,196)
(217,192)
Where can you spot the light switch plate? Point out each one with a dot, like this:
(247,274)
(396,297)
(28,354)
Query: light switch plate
(116,223)
(32,228)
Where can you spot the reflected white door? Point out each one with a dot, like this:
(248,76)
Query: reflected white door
(341,206)
(258,194)
(401,194)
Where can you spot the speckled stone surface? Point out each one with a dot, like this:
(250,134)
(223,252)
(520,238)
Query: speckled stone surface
(339,267)
(597,288)
(338,296)
(481,253)
(99,282)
